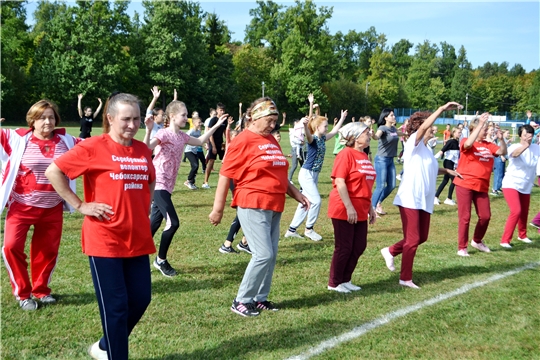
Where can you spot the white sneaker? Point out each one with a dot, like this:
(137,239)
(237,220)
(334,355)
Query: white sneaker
(190,185)
(525,240)
(96,353)
(340,288)
(450,202)
(388,258)
(463,252)
(398,176)
(436,202)
(408,284)
(506,245)
(205,186)
(480,246)
(293,234)
(349,285)
(312,235)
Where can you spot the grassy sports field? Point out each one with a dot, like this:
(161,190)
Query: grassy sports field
(189,317)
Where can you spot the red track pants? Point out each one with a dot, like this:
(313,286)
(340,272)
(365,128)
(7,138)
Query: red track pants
(43,249)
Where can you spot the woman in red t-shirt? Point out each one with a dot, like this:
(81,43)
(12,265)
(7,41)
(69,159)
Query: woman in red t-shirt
(119,180)
(349,205)
(475,166)
(257,165)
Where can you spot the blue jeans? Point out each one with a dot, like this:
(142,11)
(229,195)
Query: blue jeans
(386,179)
(498,173)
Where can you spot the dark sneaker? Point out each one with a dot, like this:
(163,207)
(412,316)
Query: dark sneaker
(246,310)
(47,300)
(266,305)
(165,268)
(28,304)
(227,250)
(243,247)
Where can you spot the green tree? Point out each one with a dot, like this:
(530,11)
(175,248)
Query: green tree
(461,83)
(16,50)
(263,29)
(176,53)
(82,49)
(447,64)
(252,66)
(383,88)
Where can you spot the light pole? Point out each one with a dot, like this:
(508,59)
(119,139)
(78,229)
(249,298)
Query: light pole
(365,106)
(262,84)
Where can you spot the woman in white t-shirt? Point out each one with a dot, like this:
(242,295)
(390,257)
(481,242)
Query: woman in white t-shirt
(517,184)
(416,191)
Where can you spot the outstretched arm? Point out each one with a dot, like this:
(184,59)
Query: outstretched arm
(79,108)
(307,133)
(151,143)
(193,141)
(98,109)
(284,119)
(311,99)
(428,123)
(338,125)
(502,143)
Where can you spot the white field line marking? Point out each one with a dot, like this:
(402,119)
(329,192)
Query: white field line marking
(385,319)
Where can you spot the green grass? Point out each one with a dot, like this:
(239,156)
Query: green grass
(189,317)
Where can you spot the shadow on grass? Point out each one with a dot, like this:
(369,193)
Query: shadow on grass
(75,299)
(245,345)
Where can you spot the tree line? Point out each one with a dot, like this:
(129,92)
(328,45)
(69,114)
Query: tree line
(95,48)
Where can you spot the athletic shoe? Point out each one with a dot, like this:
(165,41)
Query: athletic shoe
(388,258)
(506,245)
(463,252)
(480,246)
(165,268)
(266,305)
(47,300)
(349,285)
(293,234)
(242,247)
(190,185)
(227,249)
(28,304)
(535,225)
(436,202)
(398,177)
(96,353)
(205,186)
(340,288)
(379,210)
(245,310)
(312,235)
(450,202)
(494,193)
(408,284)
(525,240)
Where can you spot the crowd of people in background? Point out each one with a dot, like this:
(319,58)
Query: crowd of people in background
(124,179)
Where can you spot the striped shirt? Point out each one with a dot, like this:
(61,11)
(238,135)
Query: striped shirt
(31,186)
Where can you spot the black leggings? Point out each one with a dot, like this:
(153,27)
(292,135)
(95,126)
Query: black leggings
(194,159)
(447,164)
(162,207)
(235,228)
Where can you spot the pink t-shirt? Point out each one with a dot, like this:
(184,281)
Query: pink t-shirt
(168,157)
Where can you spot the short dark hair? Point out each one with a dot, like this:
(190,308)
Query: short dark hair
(220,106)
(528,128)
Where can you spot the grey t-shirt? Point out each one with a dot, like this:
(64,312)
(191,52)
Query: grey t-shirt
(388,142)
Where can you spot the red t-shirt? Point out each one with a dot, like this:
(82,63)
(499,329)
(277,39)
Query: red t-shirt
(446,135)
(475,165)
(359,174)
(258,166)
(119,176)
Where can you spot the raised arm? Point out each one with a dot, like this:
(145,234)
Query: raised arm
(338,125)
(284,119)
(98,109)
(155,92)
(149,123)
(525,142)
(193,141)
(428,123)
(307,133)
(310,99)
(79,108)
(474,135)
(502,143)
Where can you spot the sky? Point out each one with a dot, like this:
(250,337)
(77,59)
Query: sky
(493,31)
